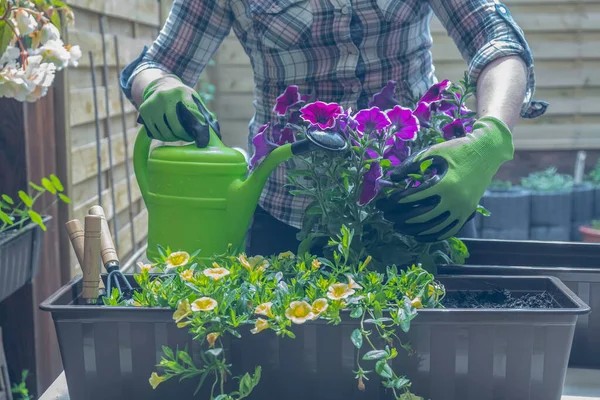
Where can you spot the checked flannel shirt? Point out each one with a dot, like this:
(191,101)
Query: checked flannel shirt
(339,50)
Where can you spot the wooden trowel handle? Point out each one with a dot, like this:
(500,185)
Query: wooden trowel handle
(91,264)
(76,236)
(108,252)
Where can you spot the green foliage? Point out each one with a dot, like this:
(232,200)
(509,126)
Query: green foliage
(20,389)
(276,293)
(596,224)
(498,184)
(594,175)
(548,180)
(18,215)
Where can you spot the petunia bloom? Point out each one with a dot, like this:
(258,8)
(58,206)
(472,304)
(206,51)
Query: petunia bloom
(423,112)
(454,129)
(260,325)
(288,98)
(177,259)
(436,92)
(319,306)
(339,291)
(385,99)
(216,273)
(345,121)
(406,124)
(299,312)
(204,304)
(265,309)
(397,151)
(321,115)
(370,186)
(262,145)
(372,119)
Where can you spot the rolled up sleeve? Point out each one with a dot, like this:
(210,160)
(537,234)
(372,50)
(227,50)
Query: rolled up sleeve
(194,30)
(484,30)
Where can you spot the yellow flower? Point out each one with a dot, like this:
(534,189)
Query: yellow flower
(156,380)
(183,310)
(265,309)
(216,273)
(137,304)
(299,312)
(339,291)
(352,284)
(286,255)
(183,324)
(177,259)
(257,263)
(187,275)
(204,304)
(144,267)
(211,338)
(319,306)
(316,264)
(260,325)
(416,302)
(361,384)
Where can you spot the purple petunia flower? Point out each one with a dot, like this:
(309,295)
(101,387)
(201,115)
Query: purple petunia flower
(345,121)
(436,92)
(397,151)
(406,124)
(320,114)
(289,98)
(385,98)
(423,112)
(286,136)
(455,129)
(262,145)
(372,119)
(370,186)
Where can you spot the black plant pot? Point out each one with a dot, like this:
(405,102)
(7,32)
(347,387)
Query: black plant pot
(19,257)
(551,215)
(510,211)
(466,354)
(577,265)
(597,203)
(582,210)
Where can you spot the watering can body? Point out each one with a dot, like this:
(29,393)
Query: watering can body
(199,198)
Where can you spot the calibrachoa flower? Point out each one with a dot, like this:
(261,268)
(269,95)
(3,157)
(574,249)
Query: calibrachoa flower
(256,263)
(156,380)
(144,267)
(339,291)
(288,255)
(289,98)
(370,186)
(265,309)
(405,123)
(371,120)
(299,312)
(211,338)
(187,275)
(319,306)
(260,325)
(352,284)
(204,304)
(183,310)
(321,115)
(177,259)
(316,264)
(216,273)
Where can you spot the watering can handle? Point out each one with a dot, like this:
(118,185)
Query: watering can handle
(141,152)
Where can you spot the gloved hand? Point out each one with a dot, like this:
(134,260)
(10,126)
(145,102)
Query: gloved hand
(439,207)
(172,111)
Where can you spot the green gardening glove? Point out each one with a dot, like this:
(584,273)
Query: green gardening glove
(172,111)
(439,207)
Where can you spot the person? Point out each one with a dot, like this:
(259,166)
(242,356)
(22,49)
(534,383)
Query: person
(345,51)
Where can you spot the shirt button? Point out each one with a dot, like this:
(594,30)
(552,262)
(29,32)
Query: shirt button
(502,10)
(345,10)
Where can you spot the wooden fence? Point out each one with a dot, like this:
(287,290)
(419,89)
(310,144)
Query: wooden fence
(563,34)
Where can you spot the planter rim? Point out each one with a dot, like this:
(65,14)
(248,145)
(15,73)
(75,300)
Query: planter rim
(580,308)
(26,228)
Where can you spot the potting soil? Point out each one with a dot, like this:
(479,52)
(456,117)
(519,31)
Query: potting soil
(498,299)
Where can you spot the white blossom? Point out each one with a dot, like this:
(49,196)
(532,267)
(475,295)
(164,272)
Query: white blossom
(29,84)
(54,52)
(49,32)
(75,52)
(26,23)
(11,54)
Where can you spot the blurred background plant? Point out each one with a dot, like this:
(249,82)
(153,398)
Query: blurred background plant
(548,180)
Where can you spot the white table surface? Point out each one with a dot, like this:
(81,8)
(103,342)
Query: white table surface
(581,384)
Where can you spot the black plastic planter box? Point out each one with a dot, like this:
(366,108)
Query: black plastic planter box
(583,202)
(577,265)
(510,214)
(19,257)
(551,215)
(460,354)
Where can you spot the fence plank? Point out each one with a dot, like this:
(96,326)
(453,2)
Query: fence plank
(82,104)
(144,11)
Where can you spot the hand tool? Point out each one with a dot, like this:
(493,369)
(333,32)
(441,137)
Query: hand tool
(91,259)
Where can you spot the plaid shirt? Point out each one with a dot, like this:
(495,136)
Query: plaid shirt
(339,50)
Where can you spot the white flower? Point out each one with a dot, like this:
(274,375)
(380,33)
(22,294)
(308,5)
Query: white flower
(29,84)
(25,22)
(11,54)
(49,32)
(54,52)
(75,52)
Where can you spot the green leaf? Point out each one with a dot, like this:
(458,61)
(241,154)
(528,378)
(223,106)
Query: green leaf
(37,218)
(202,379)
(5,218)
(459,250)
(56,182)
(64,198)
(384,369)
(48,185)
(245,384)
(6,35)
(385,163)
(36,187)
(483,211)
(425,164)
(8,199)
(375,355)
(415,176)
(168,352)
(55,19)
(302,192)
(357,338)
(356,313)
(25,198)
(185,357)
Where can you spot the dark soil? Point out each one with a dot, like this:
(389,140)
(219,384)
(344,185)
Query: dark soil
(497,299)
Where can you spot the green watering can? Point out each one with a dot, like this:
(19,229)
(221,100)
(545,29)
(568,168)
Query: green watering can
(200,196)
